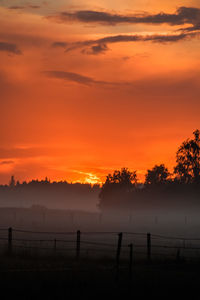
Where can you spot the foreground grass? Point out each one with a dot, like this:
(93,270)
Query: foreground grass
(29,277)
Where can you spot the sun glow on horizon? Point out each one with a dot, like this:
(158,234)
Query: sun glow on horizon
(89,178)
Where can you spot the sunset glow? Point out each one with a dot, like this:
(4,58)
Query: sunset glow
(89,87)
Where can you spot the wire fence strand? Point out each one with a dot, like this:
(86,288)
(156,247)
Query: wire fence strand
(17,238)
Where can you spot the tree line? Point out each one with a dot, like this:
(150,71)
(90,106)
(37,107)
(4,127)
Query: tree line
(160,188)
(121,189)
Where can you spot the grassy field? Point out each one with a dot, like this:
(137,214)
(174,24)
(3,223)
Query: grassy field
(50,274)
(60,278)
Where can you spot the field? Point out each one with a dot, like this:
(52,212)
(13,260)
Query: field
(45,231)
(45,256)
(37,278)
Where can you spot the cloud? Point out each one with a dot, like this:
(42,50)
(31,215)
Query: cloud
(16,7)
(183,15)
(34,6)
(193,28)
(140,38)
(156,86)
(60,45)
(99,46)
(96,49)
(10,48)
(24,7)
(74,77)
(7,162)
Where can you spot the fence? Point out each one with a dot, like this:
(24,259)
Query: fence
(126,245)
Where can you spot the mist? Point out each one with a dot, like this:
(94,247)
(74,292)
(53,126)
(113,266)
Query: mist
(55,195)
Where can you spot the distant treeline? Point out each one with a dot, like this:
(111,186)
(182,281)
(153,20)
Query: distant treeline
(121,190)
(49,194)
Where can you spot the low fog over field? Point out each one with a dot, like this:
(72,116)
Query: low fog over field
(160,213)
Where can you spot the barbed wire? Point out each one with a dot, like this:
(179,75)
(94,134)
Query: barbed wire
(98,243)
(43,232)
(156,236)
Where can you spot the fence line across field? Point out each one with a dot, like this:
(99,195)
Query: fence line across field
(79,241)
(154,236)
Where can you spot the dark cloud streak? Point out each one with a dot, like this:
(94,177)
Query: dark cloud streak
(101,45)
(10,48)
(18,7)
(60,45)
(158,86)
(74,77)
(183,15)
(96,49)
(7,162)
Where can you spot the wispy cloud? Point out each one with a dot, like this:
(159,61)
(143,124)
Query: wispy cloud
(96,49)
(99,46)
(19,7)
(146,86)
(183,15)
(6,162)
(60,45)
(193,28)
(34,6)
(16,7)
(75,77)
(10,48)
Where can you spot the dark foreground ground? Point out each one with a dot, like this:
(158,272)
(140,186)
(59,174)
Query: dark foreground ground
(62,278)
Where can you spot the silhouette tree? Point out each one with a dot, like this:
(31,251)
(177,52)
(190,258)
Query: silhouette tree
(123,178)
(187,169)
(116,187)
(157,175)
(12,181)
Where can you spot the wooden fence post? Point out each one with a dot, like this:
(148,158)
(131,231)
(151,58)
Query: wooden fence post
(10,240)
(131,261)
(148,247)
(78,244)
(119,245)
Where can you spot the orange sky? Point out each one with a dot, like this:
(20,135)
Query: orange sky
(80,99)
